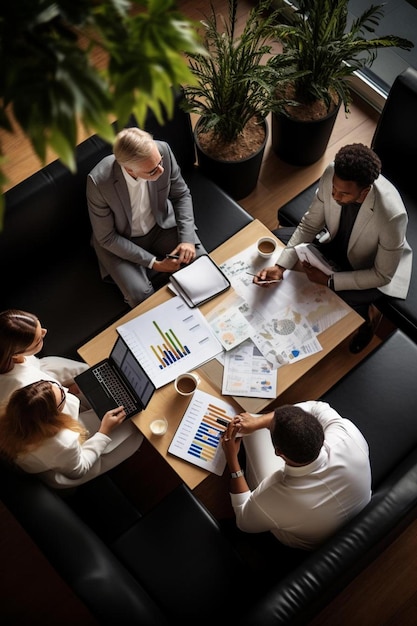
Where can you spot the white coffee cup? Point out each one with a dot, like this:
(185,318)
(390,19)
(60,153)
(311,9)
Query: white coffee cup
(159,426)
(186,384)
(266,247)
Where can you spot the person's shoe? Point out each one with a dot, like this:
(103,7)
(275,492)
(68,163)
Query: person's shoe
(362,338)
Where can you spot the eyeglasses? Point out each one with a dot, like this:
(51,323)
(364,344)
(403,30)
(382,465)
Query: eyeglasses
(155,169)
(63,394)
(60,387)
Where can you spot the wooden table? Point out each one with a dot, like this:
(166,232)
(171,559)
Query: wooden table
(168,403)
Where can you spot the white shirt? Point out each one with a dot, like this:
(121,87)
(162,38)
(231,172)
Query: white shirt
(62,461)
(34,369)
(142,218)
(63,454)
(303,506)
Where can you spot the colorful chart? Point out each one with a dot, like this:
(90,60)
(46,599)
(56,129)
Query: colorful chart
(197,439)
(169,340)
(171,350)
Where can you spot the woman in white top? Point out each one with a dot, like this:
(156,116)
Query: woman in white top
(40,438)
(21,339)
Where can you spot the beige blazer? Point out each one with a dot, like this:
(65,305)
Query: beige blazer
(377,250)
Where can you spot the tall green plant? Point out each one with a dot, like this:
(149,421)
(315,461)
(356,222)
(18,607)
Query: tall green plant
(322,45)
(235,79)
(49,82)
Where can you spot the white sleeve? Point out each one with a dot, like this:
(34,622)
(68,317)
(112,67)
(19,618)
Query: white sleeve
(73,459)
(334,425)
(322,411)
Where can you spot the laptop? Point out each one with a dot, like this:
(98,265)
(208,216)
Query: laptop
(119,380)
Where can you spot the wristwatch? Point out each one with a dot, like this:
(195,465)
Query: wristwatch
(330,282)
(237,474)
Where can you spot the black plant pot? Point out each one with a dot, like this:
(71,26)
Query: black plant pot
(301,142)
(237,178)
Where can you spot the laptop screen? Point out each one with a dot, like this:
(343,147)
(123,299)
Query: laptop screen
(133,371)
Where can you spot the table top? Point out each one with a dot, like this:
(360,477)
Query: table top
(166,402)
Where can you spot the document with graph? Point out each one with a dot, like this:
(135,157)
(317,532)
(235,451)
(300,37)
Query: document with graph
(169,340)
(197,438)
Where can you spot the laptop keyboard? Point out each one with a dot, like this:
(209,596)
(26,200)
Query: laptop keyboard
(105,374)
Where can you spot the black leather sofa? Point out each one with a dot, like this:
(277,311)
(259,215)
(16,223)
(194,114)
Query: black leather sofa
(395,142)
(176,563)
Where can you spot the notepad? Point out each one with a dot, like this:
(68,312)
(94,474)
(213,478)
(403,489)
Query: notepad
(200,281)
(310,253)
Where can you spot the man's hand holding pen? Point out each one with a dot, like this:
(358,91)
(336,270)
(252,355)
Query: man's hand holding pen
(183,254)
(269,276)
(246,423)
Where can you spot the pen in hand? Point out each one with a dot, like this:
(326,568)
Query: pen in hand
(172,256)
(264,282)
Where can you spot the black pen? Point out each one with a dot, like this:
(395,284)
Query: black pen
(172,256)
(265,282)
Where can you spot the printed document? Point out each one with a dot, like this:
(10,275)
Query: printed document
(247,373)
(169,340)
(198,437)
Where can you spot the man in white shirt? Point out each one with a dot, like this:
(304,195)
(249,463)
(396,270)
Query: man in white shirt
(140,210)
(313,479)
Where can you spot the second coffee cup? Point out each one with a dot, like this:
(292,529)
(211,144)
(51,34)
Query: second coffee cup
(186,384)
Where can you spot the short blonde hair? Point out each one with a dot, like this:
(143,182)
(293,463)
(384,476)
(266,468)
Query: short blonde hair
(132,145)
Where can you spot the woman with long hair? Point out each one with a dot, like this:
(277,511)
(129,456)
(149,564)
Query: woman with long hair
(21,339)
(37,436)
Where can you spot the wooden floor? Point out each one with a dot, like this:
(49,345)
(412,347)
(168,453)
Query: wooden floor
(385,593)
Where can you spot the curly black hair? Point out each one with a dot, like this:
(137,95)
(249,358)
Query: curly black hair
(296,433)
(356,162)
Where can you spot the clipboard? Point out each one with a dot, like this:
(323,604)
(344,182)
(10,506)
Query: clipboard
(200,281)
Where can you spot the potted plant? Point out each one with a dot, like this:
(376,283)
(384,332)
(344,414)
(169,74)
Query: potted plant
(327,51)
(234,91)
(50,82)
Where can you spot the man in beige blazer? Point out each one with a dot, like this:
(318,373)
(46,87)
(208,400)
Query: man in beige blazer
(140,210)
(358,220)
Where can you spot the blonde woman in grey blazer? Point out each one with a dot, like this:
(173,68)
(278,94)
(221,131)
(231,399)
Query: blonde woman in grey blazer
(140,210)
(364,222)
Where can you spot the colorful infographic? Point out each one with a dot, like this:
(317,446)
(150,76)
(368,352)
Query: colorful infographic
(198,437)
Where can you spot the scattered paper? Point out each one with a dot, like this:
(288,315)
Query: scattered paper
(247,373)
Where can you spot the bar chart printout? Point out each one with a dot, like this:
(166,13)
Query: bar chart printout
(170,339)
(197,438)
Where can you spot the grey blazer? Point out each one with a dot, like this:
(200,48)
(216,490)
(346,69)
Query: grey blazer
(377,250)
(111,214)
